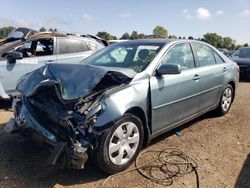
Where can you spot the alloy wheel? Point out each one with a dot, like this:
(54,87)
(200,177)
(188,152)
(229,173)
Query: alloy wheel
(226,99)
(124,143)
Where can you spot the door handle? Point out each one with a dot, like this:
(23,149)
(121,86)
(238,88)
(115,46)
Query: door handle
(196,77)
(225,69)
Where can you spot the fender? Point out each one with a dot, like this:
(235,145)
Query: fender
(112,106)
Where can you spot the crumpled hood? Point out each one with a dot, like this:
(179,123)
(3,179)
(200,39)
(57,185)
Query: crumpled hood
(73,80)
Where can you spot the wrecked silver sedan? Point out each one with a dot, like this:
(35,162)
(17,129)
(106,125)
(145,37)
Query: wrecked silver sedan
(118,99)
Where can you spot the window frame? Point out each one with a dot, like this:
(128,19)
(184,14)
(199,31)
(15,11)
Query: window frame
(162,57)
(215,53)
(196,55)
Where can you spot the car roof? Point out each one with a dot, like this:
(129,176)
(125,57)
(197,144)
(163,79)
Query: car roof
(47,34)
(147,41)
(245,48)
(160,41)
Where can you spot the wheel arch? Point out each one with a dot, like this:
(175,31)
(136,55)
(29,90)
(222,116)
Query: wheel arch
(232,83)
(137,111)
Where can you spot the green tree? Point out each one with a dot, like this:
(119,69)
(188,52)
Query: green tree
(232,46)
(53,30)
(106,36)
(172,37)
(141,36)
(134,35)
(42,29)
(4,31)
(191,38)
(238,46)
(179,37)
(159,30)
(125,36)
(213,39)
(246,45)
(227,42)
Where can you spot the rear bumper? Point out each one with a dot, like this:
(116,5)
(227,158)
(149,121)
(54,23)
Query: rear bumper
(244,71)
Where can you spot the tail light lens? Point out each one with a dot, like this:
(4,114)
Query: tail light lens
(238,69)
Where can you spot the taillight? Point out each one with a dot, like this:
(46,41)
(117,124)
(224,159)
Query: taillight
(238,69)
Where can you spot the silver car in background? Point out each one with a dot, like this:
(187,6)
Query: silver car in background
(121,97)
(20,57)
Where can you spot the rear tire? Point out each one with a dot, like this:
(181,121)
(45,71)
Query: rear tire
(119,146)
(225,101)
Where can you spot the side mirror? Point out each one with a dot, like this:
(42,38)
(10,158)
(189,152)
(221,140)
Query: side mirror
(13,56)
(169,69)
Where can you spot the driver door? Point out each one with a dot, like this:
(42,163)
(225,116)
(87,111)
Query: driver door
(175,97)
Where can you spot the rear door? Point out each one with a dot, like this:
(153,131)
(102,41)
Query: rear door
(71,50)
(175,98)
(211,76)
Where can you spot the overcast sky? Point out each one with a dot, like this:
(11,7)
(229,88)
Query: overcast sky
(179,17)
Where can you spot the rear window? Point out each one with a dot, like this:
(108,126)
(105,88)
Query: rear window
(67,46)
(244,53)
(218,59)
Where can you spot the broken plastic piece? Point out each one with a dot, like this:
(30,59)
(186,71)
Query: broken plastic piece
(178,133)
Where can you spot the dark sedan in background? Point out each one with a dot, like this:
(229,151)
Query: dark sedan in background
(242,58)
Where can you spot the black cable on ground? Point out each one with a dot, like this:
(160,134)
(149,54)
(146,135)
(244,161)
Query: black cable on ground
(166,166)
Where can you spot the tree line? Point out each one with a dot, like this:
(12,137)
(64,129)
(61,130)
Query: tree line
(214,39)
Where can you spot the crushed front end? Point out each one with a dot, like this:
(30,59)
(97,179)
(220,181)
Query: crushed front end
(65,126)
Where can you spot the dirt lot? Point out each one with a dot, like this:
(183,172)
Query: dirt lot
(220,146)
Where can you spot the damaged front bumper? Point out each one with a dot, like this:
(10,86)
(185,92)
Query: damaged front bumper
(65,108)
(71,149)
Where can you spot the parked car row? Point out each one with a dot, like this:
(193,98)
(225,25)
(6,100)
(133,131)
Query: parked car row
(118,99)
(227,52)
(18,57)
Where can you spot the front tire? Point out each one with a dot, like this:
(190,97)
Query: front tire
(119,147)
(225,101)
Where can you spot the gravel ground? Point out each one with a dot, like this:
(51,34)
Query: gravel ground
(219,145)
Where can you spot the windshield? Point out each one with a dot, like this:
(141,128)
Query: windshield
(242,53)
(15,35)
(136,56)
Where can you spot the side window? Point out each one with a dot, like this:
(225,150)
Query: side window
(35,48)
(180,54)
(218,59)
(204,54)
(92,45)
(24,48)
(67,46)
(43,47)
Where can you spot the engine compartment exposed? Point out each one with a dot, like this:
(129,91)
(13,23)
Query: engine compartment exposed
(67,119)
